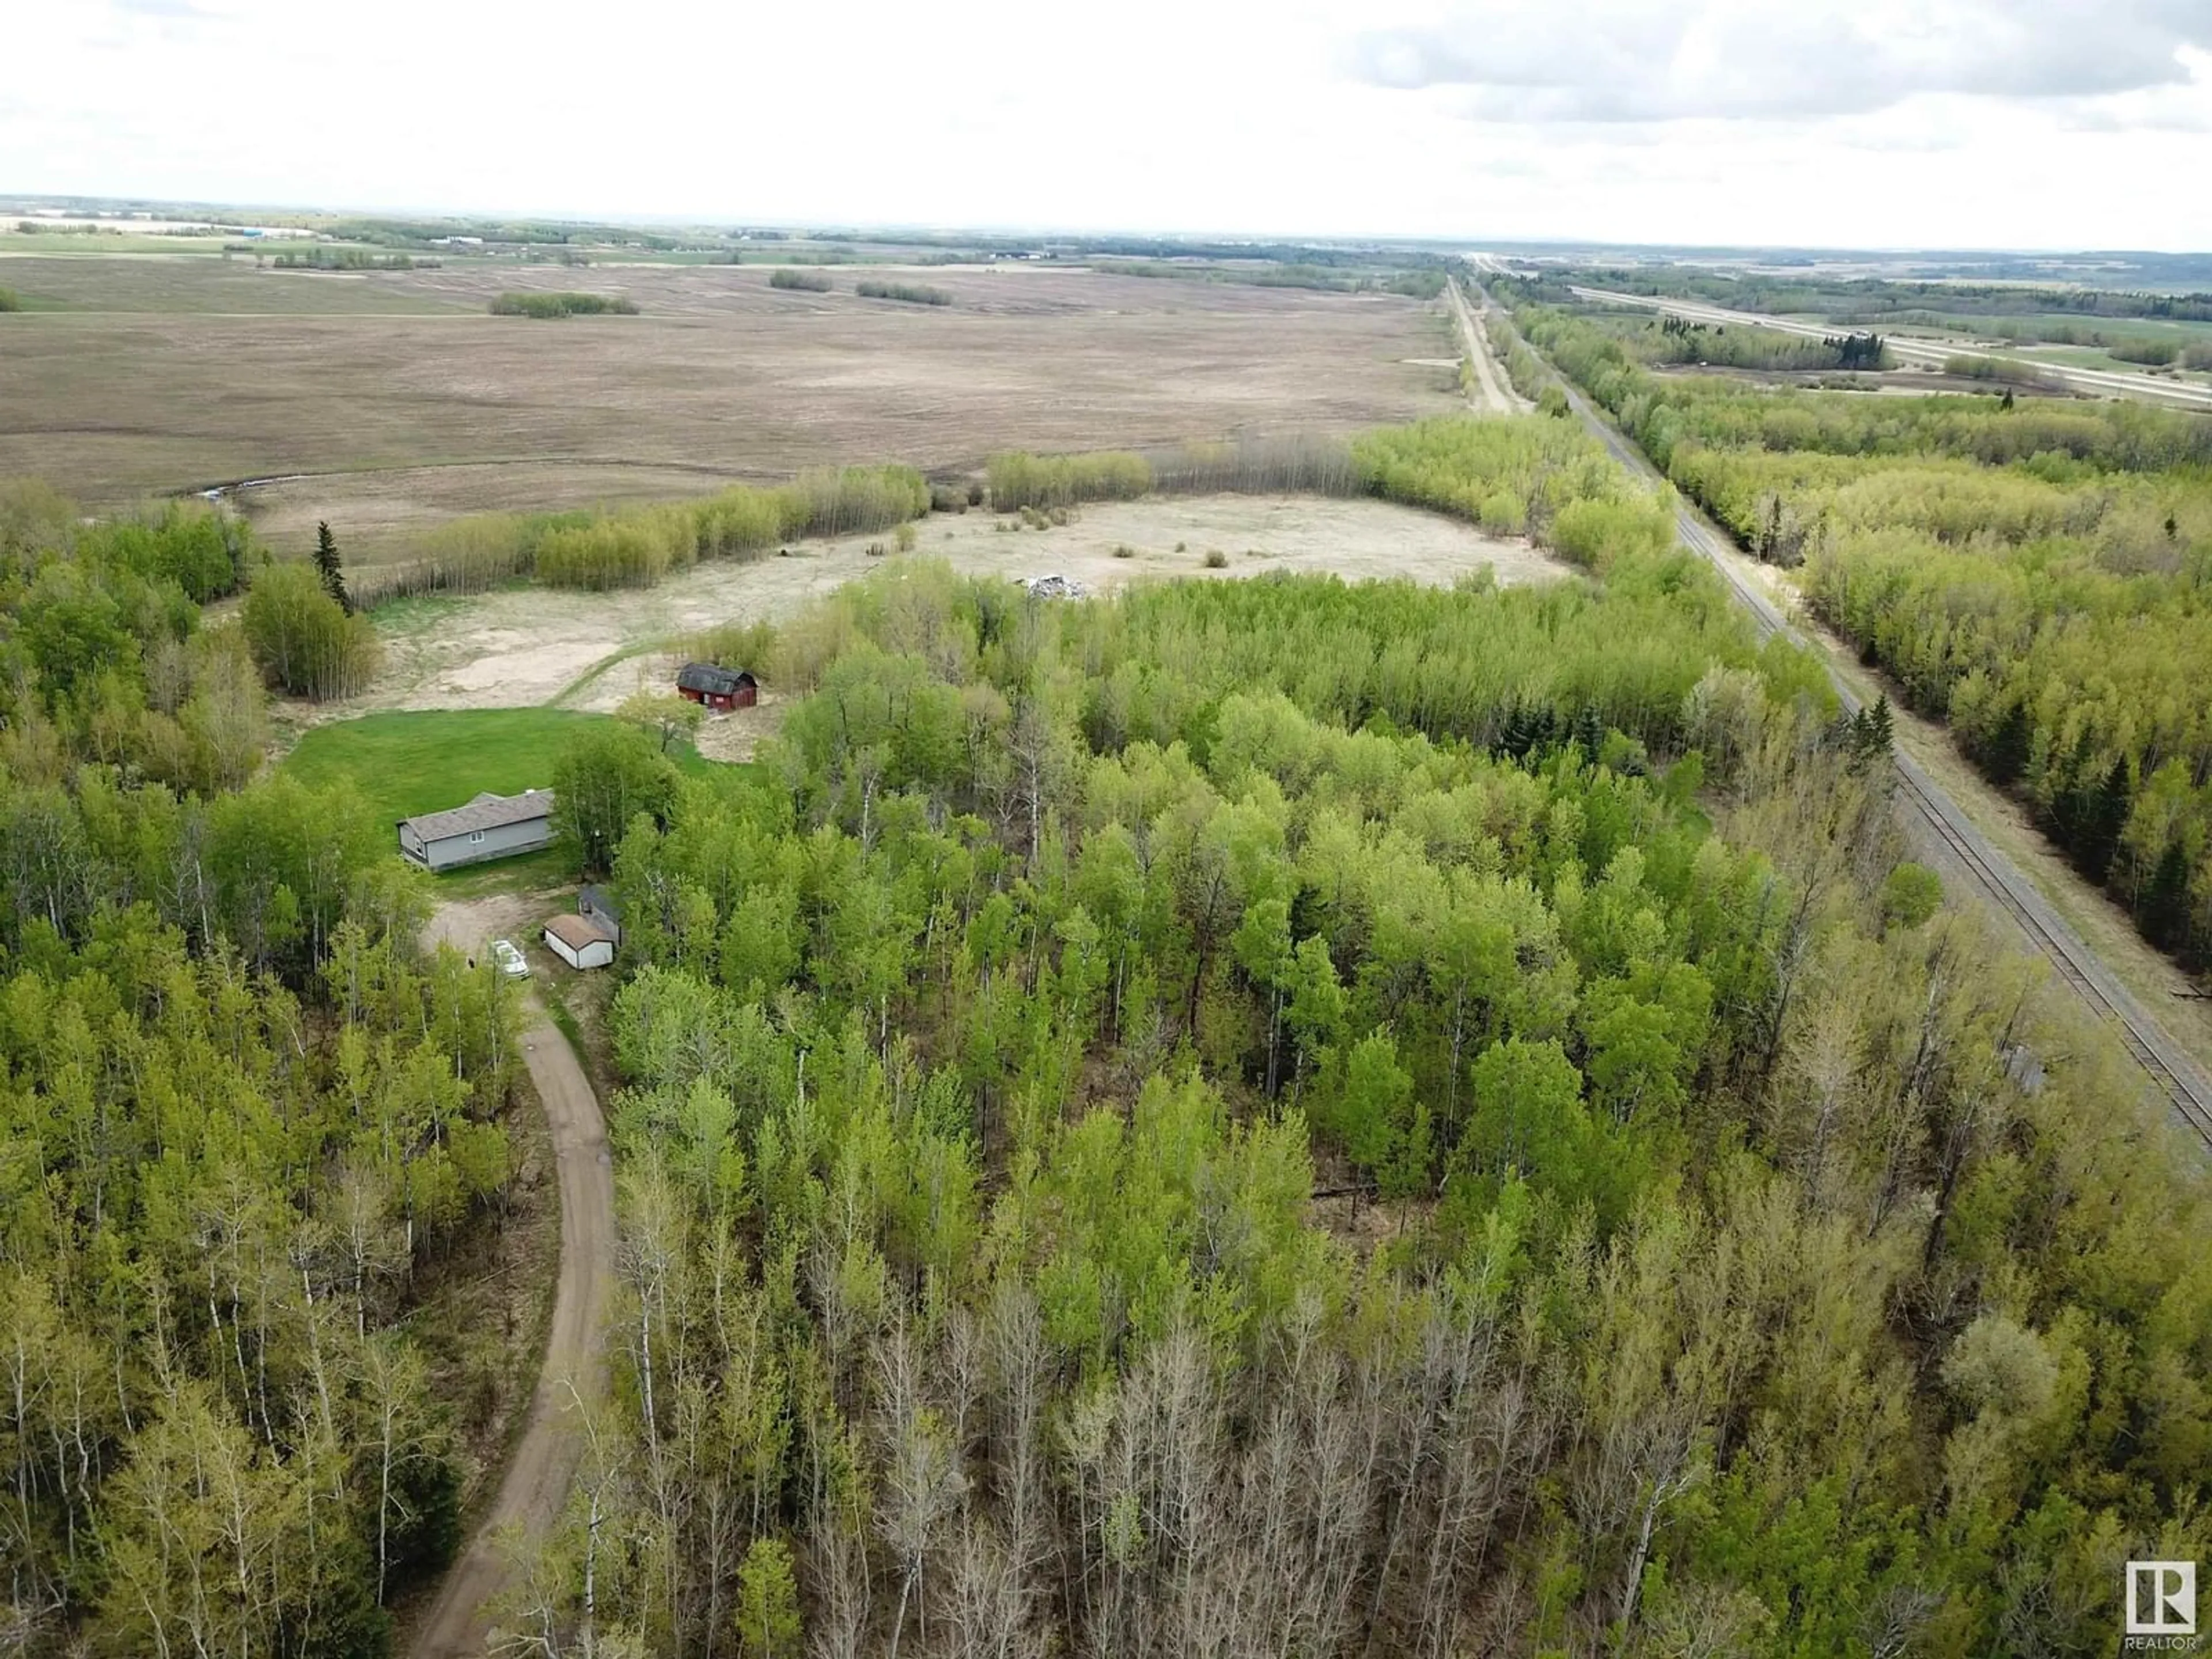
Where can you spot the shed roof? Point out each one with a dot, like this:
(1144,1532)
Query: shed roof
(486,811)
(711,676)
(593,897)
(578,932)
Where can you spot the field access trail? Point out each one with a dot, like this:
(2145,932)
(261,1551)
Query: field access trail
(535,1488)
(2177,1074)
(1497,392)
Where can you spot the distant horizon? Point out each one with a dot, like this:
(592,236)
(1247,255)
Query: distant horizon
(1869,125)
(889,228)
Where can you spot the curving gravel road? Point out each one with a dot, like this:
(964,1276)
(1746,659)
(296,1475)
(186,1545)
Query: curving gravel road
(536,1486)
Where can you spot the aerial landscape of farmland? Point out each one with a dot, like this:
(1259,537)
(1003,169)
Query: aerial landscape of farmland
(1327,845)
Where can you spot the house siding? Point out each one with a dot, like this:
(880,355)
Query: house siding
(600,914)
(503,840)
(598,954)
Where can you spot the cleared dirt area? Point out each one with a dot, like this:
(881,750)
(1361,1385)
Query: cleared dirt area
(537,645)
(168,375)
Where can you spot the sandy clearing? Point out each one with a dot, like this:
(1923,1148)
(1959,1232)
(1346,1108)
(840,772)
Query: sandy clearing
(530,647)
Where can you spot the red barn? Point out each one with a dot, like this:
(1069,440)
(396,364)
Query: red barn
(720,688)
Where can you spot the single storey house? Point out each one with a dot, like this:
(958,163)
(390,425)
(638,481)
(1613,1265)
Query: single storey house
(489,826)
(599,906)
(720,688)
(577,942)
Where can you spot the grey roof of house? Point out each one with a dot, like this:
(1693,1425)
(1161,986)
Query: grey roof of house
(486,811)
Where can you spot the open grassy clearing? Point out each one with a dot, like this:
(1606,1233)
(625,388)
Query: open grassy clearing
(534,645)
(2072,356)
(406,763)
(2011,325)
(391,378)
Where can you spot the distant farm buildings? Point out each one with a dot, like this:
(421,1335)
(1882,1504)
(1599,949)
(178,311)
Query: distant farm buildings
(489,826)
(719,689)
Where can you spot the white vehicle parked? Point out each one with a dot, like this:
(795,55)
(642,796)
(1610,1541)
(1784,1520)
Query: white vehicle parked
(510,960)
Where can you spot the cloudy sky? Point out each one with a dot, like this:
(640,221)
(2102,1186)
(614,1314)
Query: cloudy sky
(1863,123)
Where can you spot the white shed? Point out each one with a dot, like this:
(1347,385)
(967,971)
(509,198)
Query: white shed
(579,942)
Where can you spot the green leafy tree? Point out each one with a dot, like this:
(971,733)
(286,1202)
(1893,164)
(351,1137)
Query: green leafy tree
(767,1623)
(662,715)
(607,775)
(303,639)
(1375,1108)
(1910,895)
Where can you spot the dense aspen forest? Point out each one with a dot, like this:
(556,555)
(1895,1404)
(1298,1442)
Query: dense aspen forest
(1275,1117)
(1249,1117)
(2032,572)
(241,1121)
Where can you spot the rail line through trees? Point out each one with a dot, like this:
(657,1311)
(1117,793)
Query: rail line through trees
(2178,1076)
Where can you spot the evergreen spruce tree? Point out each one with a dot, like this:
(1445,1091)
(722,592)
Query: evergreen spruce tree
(1882,727)
(2007,754)
(1589,732)
(1867,735)
(327,565)
(2164,913)
(2105,818)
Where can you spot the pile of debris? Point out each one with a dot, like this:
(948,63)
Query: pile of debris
(1055,588)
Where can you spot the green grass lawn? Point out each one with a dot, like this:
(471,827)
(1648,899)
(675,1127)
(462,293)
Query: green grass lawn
(404,764)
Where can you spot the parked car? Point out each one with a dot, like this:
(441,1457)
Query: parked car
(511,961)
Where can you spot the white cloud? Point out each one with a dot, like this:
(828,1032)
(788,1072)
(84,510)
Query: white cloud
(1638,60)
(1958,122)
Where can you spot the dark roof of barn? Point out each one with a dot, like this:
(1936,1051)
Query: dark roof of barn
(709,678)
(486,811)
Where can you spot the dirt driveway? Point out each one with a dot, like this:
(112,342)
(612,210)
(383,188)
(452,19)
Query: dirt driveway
(536,1486)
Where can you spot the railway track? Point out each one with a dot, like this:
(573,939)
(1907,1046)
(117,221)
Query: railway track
(2075,965)
(2176,1076)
